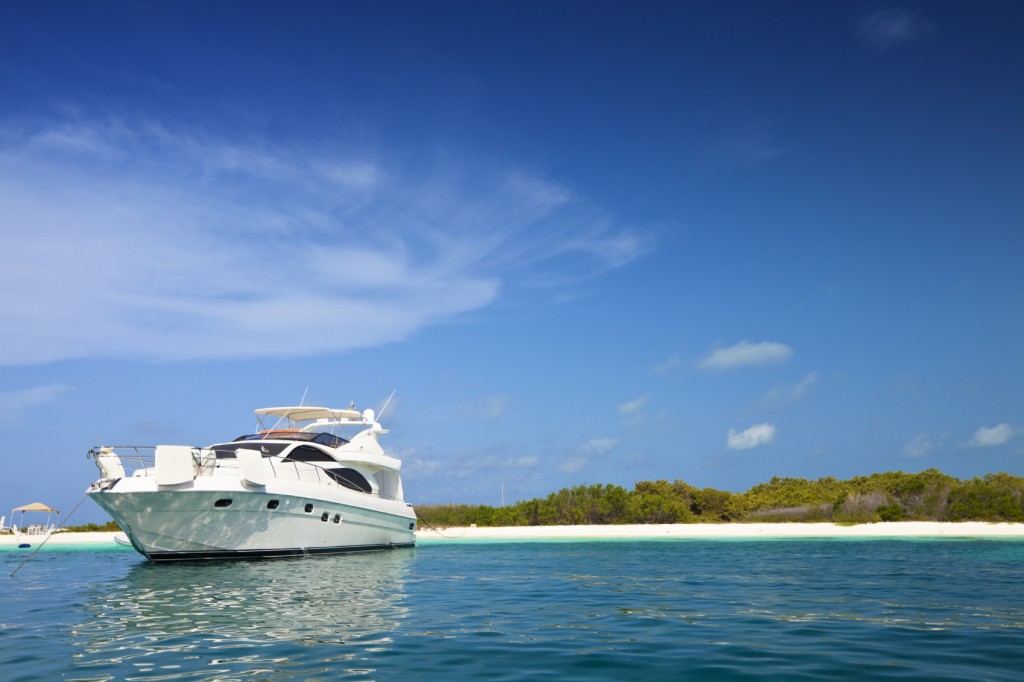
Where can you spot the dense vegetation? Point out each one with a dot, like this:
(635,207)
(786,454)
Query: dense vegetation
(109,526)
(893,496)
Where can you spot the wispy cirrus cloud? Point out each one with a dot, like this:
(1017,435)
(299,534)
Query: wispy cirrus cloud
(495,405)
(586,452)
(785,395)
(15,403)
(631,412)
(599,446)
(745,354)
(753,437)
(674,361)
(920,446)
(891,28)
(135,239)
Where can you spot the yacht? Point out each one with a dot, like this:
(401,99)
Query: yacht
(294,488)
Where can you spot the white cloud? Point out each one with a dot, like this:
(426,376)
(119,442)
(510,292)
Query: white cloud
(755,436)
(805,385)
(496,405)
(665,367)
(581,456)
(785,395)
(418,469)
(993,435)
(891,28)
(632,406)
(632,417)
(599,446)
(137,240)
(530,462)
(571,465)
(919,446)
(28,398)
(746,353)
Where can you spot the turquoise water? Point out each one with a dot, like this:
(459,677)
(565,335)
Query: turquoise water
(648,610)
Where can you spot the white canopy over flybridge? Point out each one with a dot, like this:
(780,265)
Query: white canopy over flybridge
(303,414)
(319,418)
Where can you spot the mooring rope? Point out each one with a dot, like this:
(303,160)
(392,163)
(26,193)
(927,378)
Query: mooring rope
(50,535)
(437,530)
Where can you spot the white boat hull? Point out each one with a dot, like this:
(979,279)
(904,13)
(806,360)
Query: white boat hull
(189,524)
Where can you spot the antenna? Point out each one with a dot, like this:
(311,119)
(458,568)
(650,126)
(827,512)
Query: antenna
(386,403)
(302,402)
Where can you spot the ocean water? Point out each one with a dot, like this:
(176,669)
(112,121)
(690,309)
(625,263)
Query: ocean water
(597,610)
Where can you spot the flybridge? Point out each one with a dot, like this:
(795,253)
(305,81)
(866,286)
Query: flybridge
(318,418)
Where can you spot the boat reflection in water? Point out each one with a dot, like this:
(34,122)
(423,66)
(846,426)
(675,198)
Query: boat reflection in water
(285,619)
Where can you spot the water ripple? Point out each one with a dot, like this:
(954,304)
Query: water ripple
(802,609)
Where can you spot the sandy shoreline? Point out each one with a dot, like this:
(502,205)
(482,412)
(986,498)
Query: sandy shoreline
(914,529)
(8,540)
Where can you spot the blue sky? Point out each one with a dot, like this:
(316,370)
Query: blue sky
(585,242)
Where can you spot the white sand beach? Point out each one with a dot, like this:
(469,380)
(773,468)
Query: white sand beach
(921,529)
(918,529)
(8,540)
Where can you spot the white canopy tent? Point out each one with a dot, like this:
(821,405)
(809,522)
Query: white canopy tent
(34,507)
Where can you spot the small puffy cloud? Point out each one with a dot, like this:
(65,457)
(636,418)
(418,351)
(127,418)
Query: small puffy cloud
(891,28)
(993,435)
(746,353)
(919,447)
(756,436)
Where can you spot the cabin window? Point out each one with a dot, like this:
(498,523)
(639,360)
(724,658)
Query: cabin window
(222,503)
(227,451)
(306,453)
(350,478)
(273,504)
(330,440)
(324,517)
(309,509)
(337,518)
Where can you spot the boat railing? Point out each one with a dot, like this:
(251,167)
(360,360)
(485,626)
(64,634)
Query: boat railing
(134,460)
(140,461)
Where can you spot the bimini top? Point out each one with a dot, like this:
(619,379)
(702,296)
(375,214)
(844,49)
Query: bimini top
(317,418)
(303,414)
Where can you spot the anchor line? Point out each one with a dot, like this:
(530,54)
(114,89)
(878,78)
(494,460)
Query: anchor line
(50,535)
(435,529)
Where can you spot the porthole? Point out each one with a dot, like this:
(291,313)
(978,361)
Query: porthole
(222,503)
(337,518)
(273,504)
(412,526)
(324,517)
(309,509)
